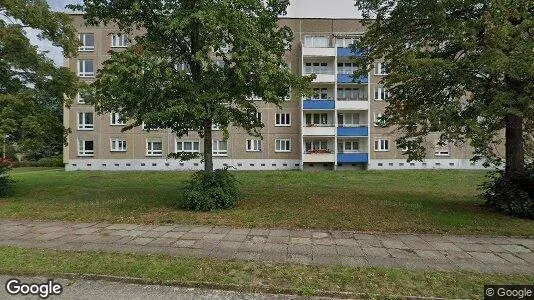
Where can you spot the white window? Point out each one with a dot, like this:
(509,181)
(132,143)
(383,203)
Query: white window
(146,127)
(85,121)
(86,68)
(321,93)
(154,148)
(282,145)
(119,40)
(219,148)
(118,145)
(316,68)
(317,119)
(188,146)
(255,97)
(79,99)
(352,94)
(317,145)
(348,119)
(316,41)
(116,119)
(380,69)
(348,147)
(377,117)
(381,93)
(87,41)
(345,42)
(346,68)
(288,96)
(442,150)
(86,148)
(215,127)
(282,119)
(381,144)
(259,116)
(253,145)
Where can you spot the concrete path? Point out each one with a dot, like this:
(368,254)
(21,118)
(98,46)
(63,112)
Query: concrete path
(98,289)
(419,251)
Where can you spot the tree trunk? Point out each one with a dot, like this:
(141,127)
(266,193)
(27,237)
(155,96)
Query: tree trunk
(208,154)
(515,151)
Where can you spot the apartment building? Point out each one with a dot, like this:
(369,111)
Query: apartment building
(333,129)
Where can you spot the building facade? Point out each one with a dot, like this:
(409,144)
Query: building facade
(335,128)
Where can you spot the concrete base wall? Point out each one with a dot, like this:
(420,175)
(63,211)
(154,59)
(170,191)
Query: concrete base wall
(402,164)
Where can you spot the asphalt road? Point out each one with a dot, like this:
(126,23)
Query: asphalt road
(102,289)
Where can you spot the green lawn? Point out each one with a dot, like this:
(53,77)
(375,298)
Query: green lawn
(254,276)
(386,201)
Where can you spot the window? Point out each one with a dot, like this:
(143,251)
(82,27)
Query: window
(283,119)
(348,119)
(321,93)
(253,145)
(116,119)
(317,119)
(118,145)
(346,68)
(380,69)
(381,144)
(316,145)
(146,128)
(187,146)
(255,97)
(288,96)
(345,42)
(316,41)
(154,148)
(79,99)
(377,117)
(86,148)
(86,68)
(352,94)
(215,127)
(348,147)
(85,121)
(258,116)
(87,41)
(442,150)
(219,148)
(316,68)
(381,93)
(282,145)
(119,40)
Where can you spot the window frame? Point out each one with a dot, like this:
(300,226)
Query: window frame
(117,142)
(278,120)
(183,142)
(83,47)
(117,119)
(382,143)
(255,143)
(439,150)
(218,151)
(380,69)
(150,151)
(84,74)
(83,151)
(122,38)
(278,142)
(85,126)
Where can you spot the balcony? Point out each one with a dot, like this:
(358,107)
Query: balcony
(318,51)
(319,104)
(352,104)
(357,131)
(348,78)
(319,130)
(318,156)
(352,157)
(349,52)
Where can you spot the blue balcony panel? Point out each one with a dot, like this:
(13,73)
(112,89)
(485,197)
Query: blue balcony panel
(352,157)
(319,104)
(348,78)
(349,52)
(352,131)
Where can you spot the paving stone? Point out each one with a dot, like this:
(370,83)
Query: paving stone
(107,239)
(82,225)
(445,246)
(299,258)
(375,251)
(49,229)
(299,249)
(341,234)
(324,241)
(353,261)
(332,259)
(182,228)
(163,228)
(214,236)
(205,244)
(141,241)
(278,248)
(300,241)
(229,245)
(320,235)
(279,232)
(301,233)
(387,262)
(252,247)
(516,248)
(370,243)
(323,250)
(430,254)
(192,236)
(201,229)
(273,256)
(349,251)
(456,255)
(87,230)
(257,239)
(50,236)
(239,231)
(152,234)
(529,257)
(364,236)
(418,244)
(402,253)
(247,255)
(185,243)
(487,257)
(223,254)
(235,237)
(263,232)
(123,226)
(162,241)
(173,234)
(346,242)
(278,239)
(473,247)
(220,230)
(512,258)
(394,244)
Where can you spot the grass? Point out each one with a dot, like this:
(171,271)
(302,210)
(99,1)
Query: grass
(253,276)
(383,201)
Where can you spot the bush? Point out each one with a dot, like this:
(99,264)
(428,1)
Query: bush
(512,196)
(211,190)
(49,162)
(5,181)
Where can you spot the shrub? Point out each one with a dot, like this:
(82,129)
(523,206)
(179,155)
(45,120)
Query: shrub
(211,190)
(513,196)
(50,162)
(5,180)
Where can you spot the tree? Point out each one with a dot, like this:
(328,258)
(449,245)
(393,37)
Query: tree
(461,68)
(32,88)
(194,63)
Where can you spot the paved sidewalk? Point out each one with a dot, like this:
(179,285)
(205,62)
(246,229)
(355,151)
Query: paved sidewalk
(419,251)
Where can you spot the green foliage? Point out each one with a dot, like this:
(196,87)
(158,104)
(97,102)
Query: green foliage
(49,162)
(514,196)
(459,68)
(5,180)
(211,190)
(179,75)
(32,88)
